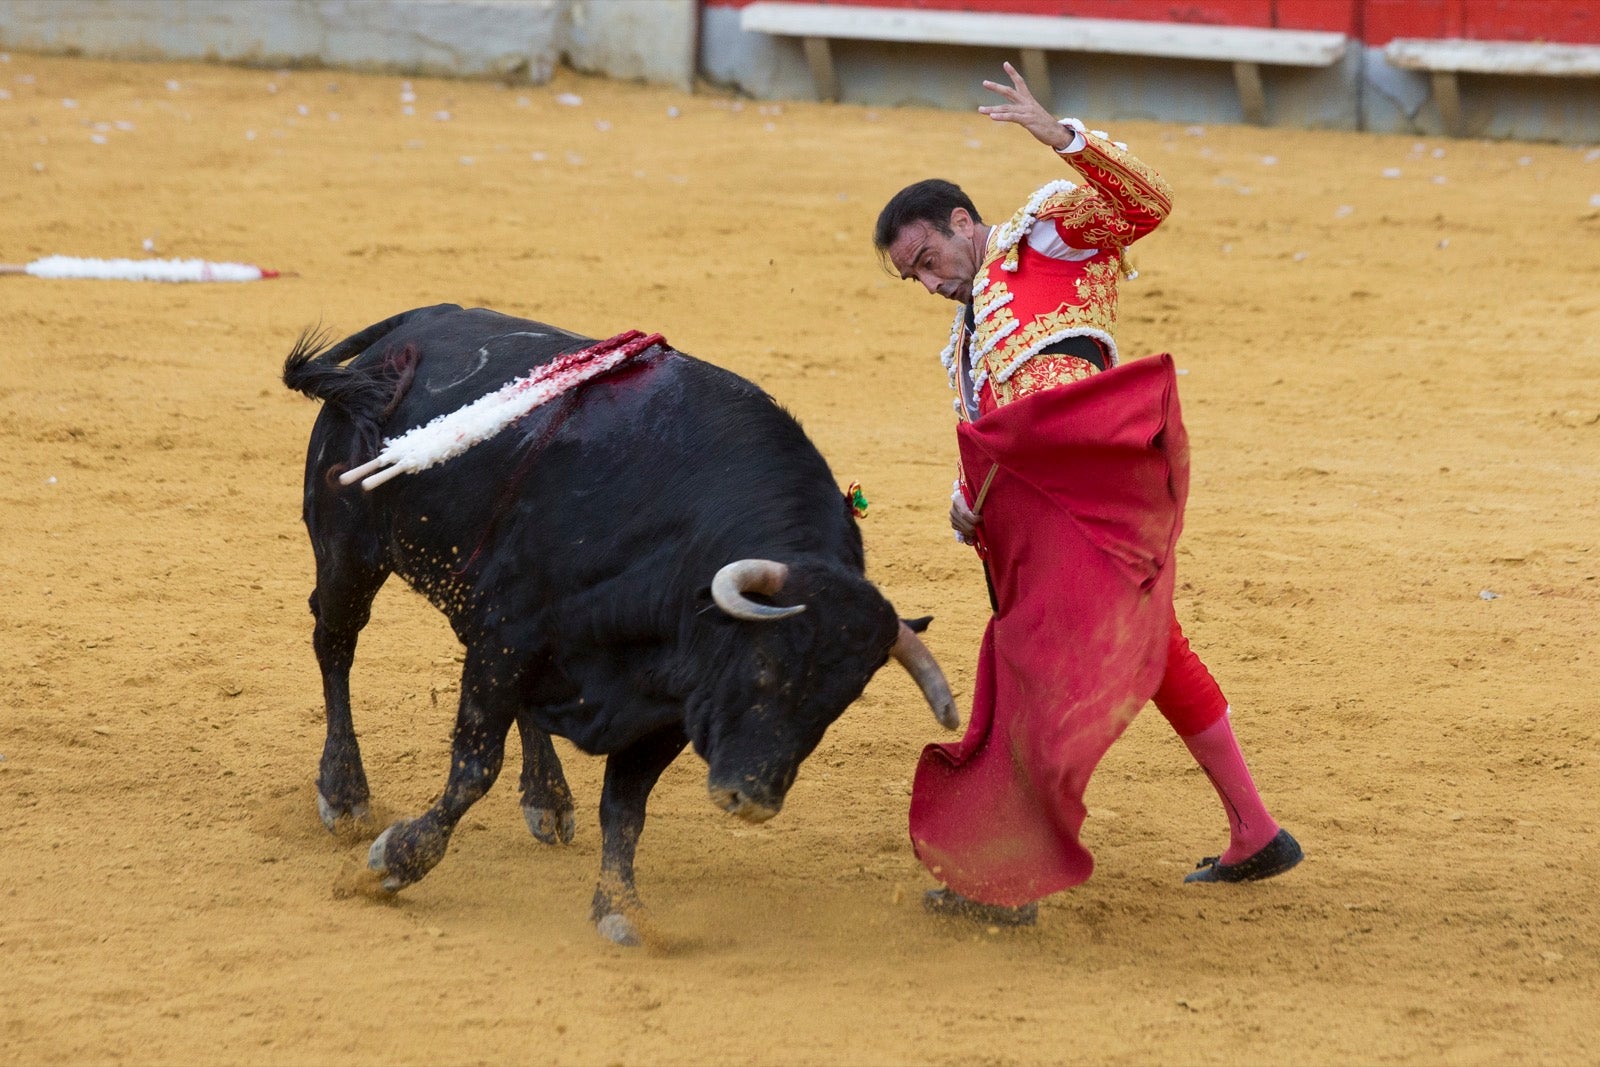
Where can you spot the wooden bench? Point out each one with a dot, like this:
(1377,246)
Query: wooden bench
(1446,59)
(1247,48)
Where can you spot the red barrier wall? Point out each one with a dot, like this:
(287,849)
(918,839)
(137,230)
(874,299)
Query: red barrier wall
(1376,22)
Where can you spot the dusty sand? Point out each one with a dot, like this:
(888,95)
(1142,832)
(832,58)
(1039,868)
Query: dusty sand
(1391,389)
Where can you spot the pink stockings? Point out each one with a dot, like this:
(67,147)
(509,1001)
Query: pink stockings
(1193,704)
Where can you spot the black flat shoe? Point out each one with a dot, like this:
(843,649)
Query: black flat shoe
(1275,857)
(949,903)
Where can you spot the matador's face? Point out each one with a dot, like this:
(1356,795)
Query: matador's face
(945,263)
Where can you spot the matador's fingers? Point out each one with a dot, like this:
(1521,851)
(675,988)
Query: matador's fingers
(1003,90)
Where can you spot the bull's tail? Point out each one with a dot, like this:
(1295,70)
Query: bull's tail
(366,396)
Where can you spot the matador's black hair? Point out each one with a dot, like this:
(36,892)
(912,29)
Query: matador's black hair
(930,200)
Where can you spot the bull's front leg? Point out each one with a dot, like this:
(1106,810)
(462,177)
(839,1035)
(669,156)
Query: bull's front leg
(630,775)
(406,851)
(546,798)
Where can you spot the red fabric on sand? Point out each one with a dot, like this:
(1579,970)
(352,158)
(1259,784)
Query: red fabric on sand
(1080,526)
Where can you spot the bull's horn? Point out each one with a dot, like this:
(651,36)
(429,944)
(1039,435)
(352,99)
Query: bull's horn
(743,576)
(914,656)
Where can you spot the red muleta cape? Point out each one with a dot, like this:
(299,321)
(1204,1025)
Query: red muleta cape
(1080,525)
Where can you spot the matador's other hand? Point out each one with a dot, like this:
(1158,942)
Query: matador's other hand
(963,520)
(1025,111)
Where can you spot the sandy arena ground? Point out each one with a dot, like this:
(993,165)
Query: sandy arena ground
(1391,389)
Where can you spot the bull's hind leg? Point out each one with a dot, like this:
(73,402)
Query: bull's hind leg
(406,851)
(630,775)
(341,604)
(546,798)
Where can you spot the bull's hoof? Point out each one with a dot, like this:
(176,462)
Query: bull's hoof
(619,930)
(377,860)
(403,853)
(550,825)
(333,814)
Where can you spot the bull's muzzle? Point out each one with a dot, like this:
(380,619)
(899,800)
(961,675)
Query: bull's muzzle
(738,802)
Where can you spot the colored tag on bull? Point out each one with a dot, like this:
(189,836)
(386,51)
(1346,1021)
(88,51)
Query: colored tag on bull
(858,500)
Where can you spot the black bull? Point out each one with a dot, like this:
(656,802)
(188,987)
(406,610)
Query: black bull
(657,558)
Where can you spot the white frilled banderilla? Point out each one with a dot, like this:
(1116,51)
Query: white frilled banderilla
(451,434)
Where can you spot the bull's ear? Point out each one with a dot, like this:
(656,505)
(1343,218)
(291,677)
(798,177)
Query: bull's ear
(918,625)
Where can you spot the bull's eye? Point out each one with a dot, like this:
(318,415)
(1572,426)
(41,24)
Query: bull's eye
(766,674)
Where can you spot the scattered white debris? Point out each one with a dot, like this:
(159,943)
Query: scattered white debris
(871,116)
(123,124)
(38,168)
(973,142)
(523,101)
(574,159)
(569,100)
(1438,153)
(333,116)
(1181,370)
(1391,172)
(408,110)
(1245,190)
(173,86)
(408,97)
(5,57)
(5,94)
(414,143)
(442,116)
(1523,161)
(1439,179)
(673,112)
(467,161)
(1226,249)
(1195,131)
(69,103)
(602,125)
(26,79)
(302,109)
(770,126)
(1269,161)
(1300,257)
(1488,594)
(148,244)
(1592,156)
(1343,211)
(272,87)
(1594,200)
(50,480)
(98,138)
(1444,242)
(538,157)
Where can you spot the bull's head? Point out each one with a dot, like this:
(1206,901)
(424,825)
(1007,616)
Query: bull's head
(789,677)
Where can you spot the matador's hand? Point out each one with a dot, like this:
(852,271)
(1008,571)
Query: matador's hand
(962,519)
(1025,111)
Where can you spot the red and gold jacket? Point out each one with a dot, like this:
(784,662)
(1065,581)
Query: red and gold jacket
(1039,285)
